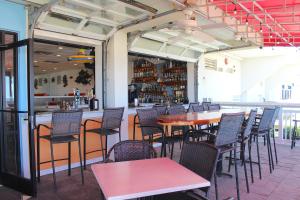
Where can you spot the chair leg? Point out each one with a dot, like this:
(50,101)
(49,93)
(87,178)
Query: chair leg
(236,176)
(250,160)
(84,148)
(216,187)
(38,157)
(172,150)
(275,150)
(245,167)
(102,148)
(105,146)
(269,154)
(52,161)
(80,160)
(120,138)
(258,156)
(230,161)
(69,158)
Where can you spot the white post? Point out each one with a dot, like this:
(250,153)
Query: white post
(98,74)
(191,81)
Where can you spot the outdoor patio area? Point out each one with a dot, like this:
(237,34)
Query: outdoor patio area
(282,184)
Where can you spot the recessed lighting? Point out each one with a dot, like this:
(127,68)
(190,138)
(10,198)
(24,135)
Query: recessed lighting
(75,64)
(44,70)
(55,68)
(58,55)
(60,48)
(35,61)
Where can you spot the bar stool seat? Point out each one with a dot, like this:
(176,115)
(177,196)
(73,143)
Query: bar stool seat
(60,139)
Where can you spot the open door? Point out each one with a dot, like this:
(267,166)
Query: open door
(17,157)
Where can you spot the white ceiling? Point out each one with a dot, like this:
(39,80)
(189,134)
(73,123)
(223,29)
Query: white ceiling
(49,58)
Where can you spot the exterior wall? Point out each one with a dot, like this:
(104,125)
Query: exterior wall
(263,77)
(219,86)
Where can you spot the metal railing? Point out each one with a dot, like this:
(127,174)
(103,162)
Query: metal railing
(284,124)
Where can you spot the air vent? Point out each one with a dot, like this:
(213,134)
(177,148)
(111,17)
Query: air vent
(210,64)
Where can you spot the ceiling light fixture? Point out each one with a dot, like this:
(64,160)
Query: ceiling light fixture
(235,10)
(260,29)
(247,22)
(58,55)
(60,48)
(44,70)
(75,64)
(55,68)
(35,61)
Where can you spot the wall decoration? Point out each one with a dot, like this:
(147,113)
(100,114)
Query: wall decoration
(58,80)
(65,81)
(36,84)
(45,80)
(40,82)
(84,77)
(53,79)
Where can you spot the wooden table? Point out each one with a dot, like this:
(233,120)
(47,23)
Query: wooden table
(194,118)
(142,178)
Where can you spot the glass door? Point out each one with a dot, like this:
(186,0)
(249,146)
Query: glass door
(17,158)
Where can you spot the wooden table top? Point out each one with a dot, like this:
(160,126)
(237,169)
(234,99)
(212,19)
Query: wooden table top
(194,118)
(142,178)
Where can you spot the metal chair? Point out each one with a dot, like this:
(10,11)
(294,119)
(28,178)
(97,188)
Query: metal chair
(110,125)
(131,150)
(263,130)
(226,140)
(205,105)
(161,109)
(275,116)
(198,108)
(201,158)
(65,128)
(214,107)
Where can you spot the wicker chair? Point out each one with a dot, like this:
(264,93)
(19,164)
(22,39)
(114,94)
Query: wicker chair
(151,131)
(263,130)
(214,107)
(180,130)
(131,150)
(110,125)
(191,105)
(65,128)
(205,105)
(201,158)
(161,109)
(226,140)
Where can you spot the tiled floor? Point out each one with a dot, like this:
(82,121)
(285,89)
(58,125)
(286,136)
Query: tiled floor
(282,184)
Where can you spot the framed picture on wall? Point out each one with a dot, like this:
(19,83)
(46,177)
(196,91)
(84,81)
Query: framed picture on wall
(58,80)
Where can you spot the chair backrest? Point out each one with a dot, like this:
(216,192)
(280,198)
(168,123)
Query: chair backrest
(214,107)
(147,117)
(161,109)
(198,108)
(277,109)
(249,124)
(229,128)
(200,158)
(205,105)
(66,123)
(266,119)
(190,109)
(132,150)
(177,109)
(112,118)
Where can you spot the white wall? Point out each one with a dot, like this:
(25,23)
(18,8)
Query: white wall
(219,86)
(191,81)
(54,89)
(263,77)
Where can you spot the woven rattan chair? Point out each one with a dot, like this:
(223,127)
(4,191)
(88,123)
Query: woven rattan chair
(226,140)
(214,107)
(110,125)
(201,158)
(263,130)
(151,130)
(205,105)
(65,128)
(131,150)
(190,109)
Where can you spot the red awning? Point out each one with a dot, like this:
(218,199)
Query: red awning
(277,20)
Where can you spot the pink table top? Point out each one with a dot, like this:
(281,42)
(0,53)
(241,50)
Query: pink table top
(141,178)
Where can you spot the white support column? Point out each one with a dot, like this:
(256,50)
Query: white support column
(191,81)
(117,79)
(98,74)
